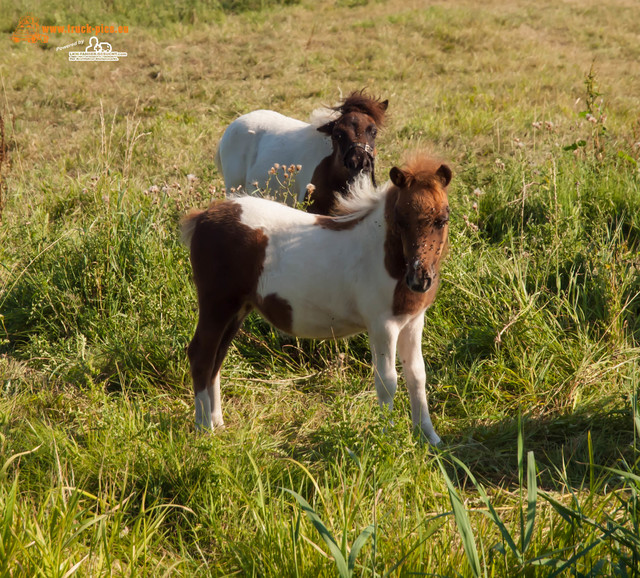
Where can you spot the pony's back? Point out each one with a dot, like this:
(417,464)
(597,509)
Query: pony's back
(252,144)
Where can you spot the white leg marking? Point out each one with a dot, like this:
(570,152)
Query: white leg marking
(203,410)
(382,340)
(216,404)
(410,353)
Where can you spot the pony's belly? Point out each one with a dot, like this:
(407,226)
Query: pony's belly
(325,330)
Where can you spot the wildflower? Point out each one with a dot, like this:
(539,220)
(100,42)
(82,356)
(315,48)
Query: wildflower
(191,178)
(592,119)
(276,166)
(548,125)
(292,169)
(500,165)
(536,124)
(478,192)
(298,168)
(469,224)
(475,207)
(153,189)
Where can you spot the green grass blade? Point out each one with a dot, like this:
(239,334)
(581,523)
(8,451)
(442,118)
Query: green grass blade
(359,542)
(565,513)
(532,497)
(463,524)
(355,458)
(492,514)
(521,477)
(591,462)
(432,528)
(570,563)
(8,542)
(324,532)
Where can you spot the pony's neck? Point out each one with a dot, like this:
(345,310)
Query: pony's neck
(329,179)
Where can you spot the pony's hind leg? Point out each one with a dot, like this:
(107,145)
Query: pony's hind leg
(410,354)
(206,352)
(202,352)
(214,388)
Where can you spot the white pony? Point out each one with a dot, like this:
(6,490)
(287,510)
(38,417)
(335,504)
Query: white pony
(374,268)
(338,145)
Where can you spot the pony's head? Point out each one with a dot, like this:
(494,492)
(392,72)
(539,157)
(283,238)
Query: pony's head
(419,216)
(353,133)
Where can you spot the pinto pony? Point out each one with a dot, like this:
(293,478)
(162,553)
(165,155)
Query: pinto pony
(374,268)
(332,151)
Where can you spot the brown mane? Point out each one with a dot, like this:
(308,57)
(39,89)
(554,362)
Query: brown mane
(358,101)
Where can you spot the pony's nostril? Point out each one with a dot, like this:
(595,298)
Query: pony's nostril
(418,283)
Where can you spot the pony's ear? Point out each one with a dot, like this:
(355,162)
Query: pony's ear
(444,174)
(384,104)
(327,128)
(398,177)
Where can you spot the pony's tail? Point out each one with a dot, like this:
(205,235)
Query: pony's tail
(188,225)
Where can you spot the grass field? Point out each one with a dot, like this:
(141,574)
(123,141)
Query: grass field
(531,346)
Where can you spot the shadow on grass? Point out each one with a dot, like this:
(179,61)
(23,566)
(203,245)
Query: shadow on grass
(569,448)
(561,444)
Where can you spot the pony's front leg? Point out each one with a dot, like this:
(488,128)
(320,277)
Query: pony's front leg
(382,340)
(410,354)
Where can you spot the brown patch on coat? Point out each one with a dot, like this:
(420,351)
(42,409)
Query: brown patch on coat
(227,256)
(418,196)
(277,311)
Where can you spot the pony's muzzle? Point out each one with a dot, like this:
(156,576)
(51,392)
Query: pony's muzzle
(418,279)
(358,159)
